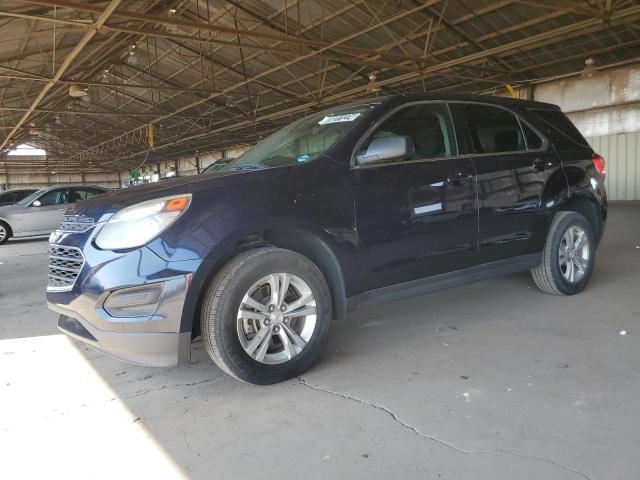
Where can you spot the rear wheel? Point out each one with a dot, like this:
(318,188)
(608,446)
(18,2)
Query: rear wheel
(5,232)
(266,315)
(568,257)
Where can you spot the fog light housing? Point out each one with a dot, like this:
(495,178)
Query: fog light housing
(139,301)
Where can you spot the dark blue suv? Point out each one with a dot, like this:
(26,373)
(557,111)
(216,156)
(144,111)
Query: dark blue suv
(377,200)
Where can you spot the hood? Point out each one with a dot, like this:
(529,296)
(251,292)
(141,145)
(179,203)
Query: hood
(111,202)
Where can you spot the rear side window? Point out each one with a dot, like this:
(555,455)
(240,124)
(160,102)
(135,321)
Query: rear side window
(9,198)
(493,129)
(563,133)
(429,127)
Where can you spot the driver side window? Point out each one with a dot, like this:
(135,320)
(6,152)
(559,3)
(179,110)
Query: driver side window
(429,127)
(54,197)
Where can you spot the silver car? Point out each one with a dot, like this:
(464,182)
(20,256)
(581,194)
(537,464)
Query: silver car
(41,212)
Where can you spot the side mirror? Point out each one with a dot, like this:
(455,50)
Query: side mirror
(382,149)
(37,203)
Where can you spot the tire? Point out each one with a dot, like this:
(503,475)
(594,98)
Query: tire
(5,233)
(224,333)
(551,275)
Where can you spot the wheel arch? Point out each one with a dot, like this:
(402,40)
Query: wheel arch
(10,230)
(586,206)
(320,253)
(307,243)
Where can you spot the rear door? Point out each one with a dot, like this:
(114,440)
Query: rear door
(513,168)
(415,217)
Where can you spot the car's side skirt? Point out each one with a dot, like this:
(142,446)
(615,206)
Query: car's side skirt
(39,233)
(444,281)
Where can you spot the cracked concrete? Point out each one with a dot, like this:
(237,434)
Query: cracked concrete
(383,409)
(488,381)
(415,430)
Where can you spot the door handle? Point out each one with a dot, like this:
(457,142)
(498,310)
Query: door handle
(540,164)
(457,178)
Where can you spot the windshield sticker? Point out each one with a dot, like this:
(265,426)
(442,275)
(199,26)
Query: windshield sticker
(303,158)
(348,117)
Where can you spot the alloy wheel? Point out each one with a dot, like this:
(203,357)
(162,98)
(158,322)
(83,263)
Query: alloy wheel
(574,254)
(276,318)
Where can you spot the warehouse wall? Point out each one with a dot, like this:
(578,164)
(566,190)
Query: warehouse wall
(623,167)
(28,178)
(605,106)
(184,166)
(39,179)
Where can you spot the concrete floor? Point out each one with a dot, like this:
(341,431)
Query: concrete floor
(488,381)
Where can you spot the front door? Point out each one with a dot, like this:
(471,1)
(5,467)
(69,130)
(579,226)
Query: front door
(46,217)
(415,217)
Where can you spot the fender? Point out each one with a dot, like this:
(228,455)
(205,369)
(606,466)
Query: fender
(332,257)
(10,232)
(586,194)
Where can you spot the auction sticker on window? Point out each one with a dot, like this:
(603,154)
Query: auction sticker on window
(347,117)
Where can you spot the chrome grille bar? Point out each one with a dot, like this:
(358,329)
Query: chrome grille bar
(76,223)
(65,264)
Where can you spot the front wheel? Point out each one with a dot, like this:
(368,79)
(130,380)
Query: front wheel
(266,315)
(4,233)
(569,256)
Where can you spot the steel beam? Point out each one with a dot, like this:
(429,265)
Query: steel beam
(298,59)
(532,40)
(104,15)
(130,15)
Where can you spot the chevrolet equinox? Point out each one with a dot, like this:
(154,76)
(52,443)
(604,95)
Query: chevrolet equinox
(373,201)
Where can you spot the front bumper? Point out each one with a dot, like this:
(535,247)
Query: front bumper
(158,339)
(144,348)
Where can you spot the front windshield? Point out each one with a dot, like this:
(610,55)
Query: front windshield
(30,198)
(302,141)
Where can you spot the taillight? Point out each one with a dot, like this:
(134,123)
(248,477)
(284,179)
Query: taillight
(599,163)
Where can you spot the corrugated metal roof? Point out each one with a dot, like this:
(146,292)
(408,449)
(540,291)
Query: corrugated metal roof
(212,74)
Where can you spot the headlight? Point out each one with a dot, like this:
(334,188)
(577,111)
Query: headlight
(136,225)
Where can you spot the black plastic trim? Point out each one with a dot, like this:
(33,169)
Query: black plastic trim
(74,327)
(444,281)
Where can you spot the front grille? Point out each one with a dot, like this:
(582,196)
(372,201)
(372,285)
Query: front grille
(76,223)
(65,264)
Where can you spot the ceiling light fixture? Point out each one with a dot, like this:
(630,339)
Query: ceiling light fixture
(132,59)
(589,68)
(76,91)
